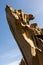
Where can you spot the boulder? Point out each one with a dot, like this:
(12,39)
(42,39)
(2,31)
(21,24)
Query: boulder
(27,36)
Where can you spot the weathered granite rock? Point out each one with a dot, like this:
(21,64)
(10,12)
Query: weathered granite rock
(29,37)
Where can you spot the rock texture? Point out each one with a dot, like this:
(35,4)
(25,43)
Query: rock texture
(29,37)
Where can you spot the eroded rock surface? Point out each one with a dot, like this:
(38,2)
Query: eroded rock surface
(29,37)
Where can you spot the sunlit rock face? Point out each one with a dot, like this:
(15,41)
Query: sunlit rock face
(29,37)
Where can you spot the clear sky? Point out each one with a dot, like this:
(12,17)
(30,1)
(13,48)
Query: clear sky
(9,51)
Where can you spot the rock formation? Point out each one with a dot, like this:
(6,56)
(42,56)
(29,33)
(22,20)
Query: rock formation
(29,37)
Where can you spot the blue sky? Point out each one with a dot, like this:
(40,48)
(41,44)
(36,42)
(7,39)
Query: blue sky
(9,51)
